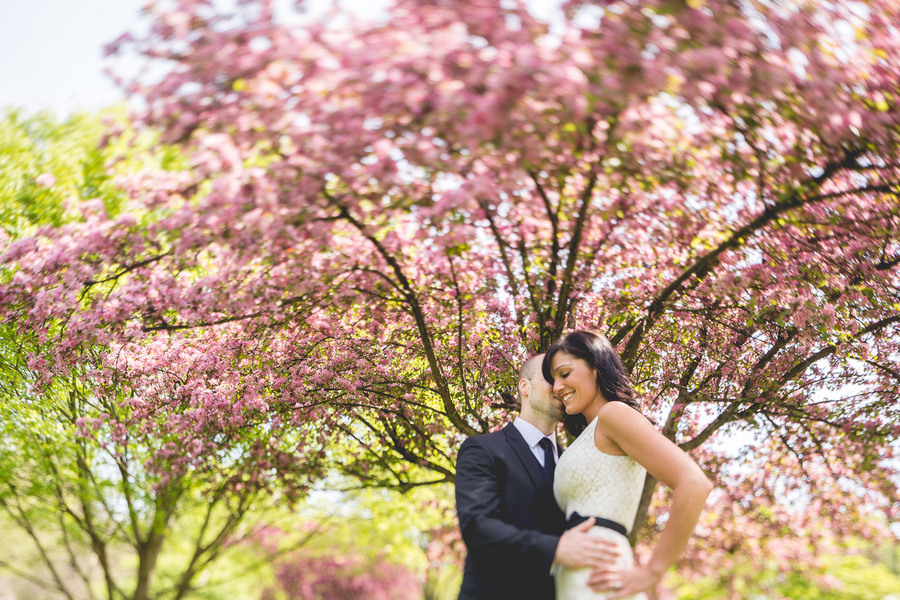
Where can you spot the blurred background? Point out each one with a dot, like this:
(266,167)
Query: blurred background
(81,519)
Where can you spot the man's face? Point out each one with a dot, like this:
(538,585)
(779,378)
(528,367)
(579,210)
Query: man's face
(542,399)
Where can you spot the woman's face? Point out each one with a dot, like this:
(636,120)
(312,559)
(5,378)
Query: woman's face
(574,382)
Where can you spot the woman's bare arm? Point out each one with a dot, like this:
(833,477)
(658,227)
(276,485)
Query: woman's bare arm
(639,439)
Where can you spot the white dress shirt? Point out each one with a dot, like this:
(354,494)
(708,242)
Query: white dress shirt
(533,436)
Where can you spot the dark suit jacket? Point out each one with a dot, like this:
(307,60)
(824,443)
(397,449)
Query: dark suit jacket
(508,518)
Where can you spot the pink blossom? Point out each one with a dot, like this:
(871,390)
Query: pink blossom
(45,180)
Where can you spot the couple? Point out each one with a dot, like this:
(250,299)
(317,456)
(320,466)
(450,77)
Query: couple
(526,512)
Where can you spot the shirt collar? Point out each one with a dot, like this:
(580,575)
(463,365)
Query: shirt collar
(532,434)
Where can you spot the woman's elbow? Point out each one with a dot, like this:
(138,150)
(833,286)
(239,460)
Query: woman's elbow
(696,485)
(703,485)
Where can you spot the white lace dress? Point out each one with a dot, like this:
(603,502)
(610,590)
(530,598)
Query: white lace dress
(595,484)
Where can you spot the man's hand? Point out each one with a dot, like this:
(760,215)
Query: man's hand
(577,548)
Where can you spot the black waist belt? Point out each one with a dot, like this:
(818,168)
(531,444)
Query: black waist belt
(577,519)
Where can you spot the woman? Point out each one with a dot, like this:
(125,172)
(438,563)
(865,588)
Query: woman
(602,472)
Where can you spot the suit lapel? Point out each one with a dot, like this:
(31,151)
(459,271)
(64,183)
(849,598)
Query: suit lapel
(531,464)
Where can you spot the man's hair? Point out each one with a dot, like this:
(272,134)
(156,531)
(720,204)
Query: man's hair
(529,370)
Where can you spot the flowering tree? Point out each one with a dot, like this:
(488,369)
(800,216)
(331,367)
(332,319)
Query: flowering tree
(105,456)
(395,214)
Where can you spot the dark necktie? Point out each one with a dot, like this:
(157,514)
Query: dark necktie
(549,458)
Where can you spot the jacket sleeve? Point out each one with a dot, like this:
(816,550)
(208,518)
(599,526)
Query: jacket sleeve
(478,508)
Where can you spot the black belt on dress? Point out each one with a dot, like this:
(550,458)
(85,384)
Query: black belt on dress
(577,519)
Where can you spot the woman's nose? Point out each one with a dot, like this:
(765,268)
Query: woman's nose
(557,386)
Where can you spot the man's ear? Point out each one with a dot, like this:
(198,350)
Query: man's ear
(524,387)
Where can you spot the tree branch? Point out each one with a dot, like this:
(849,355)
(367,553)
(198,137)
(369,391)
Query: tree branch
(421,323)
(701,267)
(574,242)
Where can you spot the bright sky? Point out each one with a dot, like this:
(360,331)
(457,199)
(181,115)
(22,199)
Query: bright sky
(51,51)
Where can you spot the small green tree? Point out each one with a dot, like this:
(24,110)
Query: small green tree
(87,472)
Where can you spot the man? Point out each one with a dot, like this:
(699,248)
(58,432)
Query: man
(512,527)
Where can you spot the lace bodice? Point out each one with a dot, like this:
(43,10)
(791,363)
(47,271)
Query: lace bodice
(595,484)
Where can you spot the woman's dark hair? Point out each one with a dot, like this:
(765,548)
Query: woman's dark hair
(599,354)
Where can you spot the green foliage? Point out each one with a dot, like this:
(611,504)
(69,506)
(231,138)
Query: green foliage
(380,522)
(238,574)
(866,572)
(368,531)
(83,154)
(76,495)
(855,577)
(34,145)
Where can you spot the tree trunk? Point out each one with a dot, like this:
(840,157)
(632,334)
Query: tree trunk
(640,519)
(148,552)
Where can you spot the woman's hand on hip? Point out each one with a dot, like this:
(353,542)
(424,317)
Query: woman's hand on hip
(625,583)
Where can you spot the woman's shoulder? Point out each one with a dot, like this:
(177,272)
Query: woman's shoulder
(621,425)
(617,410)
(619,421)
